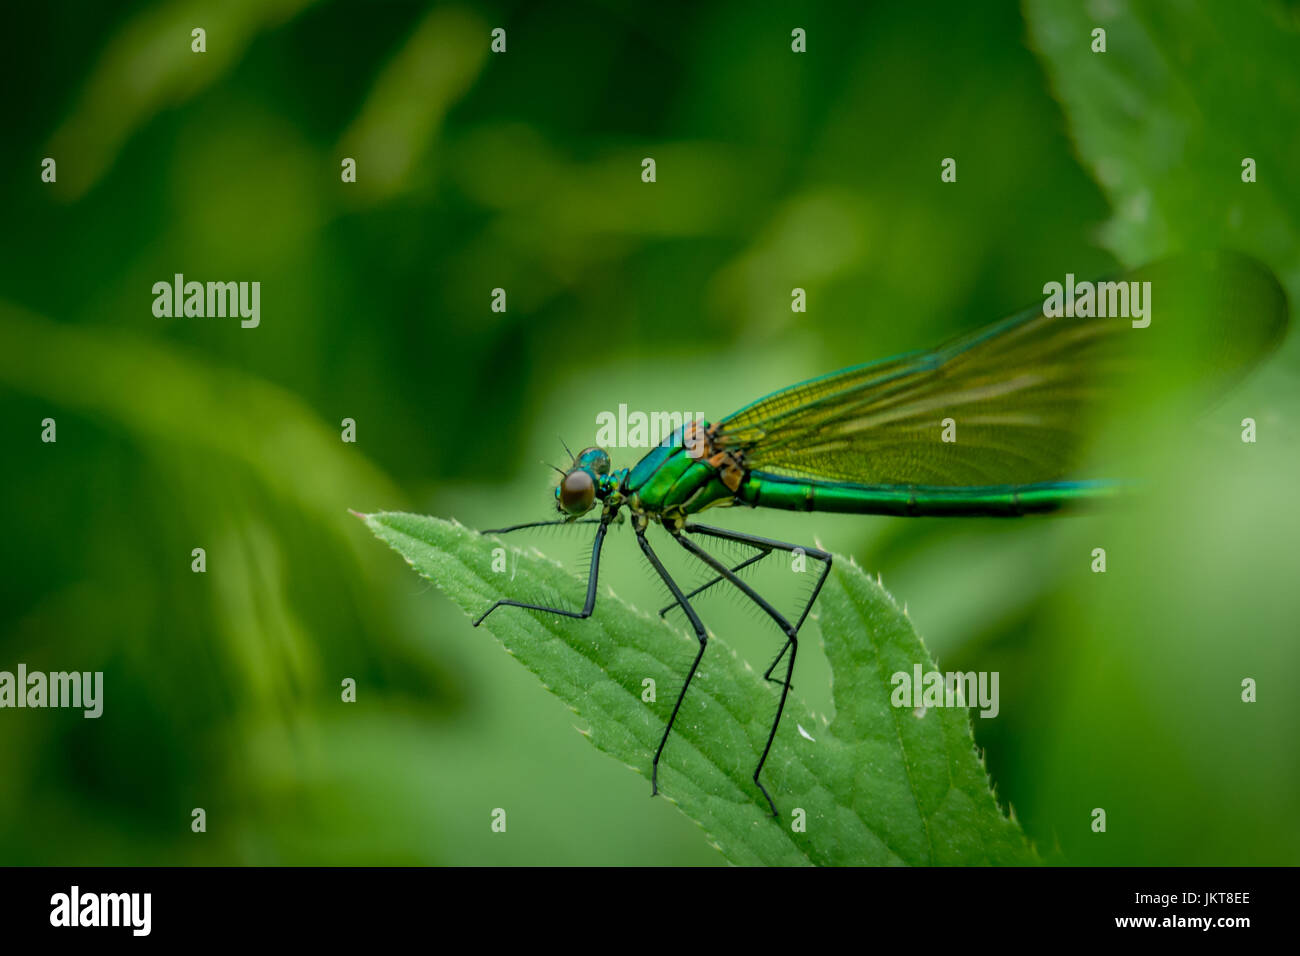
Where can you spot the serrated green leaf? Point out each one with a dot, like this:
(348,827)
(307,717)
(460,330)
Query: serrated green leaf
(879,785)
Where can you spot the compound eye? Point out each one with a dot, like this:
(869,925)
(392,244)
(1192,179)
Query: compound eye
(594,458)
(577,493)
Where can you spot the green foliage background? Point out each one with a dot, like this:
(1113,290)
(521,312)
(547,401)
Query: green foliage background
(521,171)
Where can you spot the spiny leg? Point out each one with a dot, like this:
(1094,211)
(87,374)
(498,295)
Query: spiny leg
(792,642)
(752,559)
(771,544)
(541,524)
(700,634)
(791,631)
(603,522)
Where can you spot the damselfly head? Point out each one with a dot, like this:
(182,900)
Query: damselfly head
(576,493)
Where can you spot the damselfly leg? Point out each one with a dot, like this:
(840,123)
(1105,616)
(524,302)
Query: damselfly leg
(700,635)
(541,524)
(748,562)
(791,631)
(593,575)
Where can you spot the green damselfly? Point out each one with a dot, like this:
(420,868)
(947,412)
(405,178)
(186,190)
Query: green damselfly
(1016,396)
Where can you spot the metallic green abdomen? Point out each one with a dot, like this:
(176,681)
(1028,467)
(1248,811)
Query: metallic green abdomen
(792,494)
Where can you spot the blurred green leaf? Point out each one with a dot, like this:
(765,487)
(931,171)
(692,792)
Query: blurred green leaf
(1165,117)
(161,393)
(148,66)
(411,97)
(879,784)
(1164,120)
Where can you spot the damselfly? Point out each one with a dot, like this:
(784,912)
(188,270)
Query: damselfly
(991,423)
